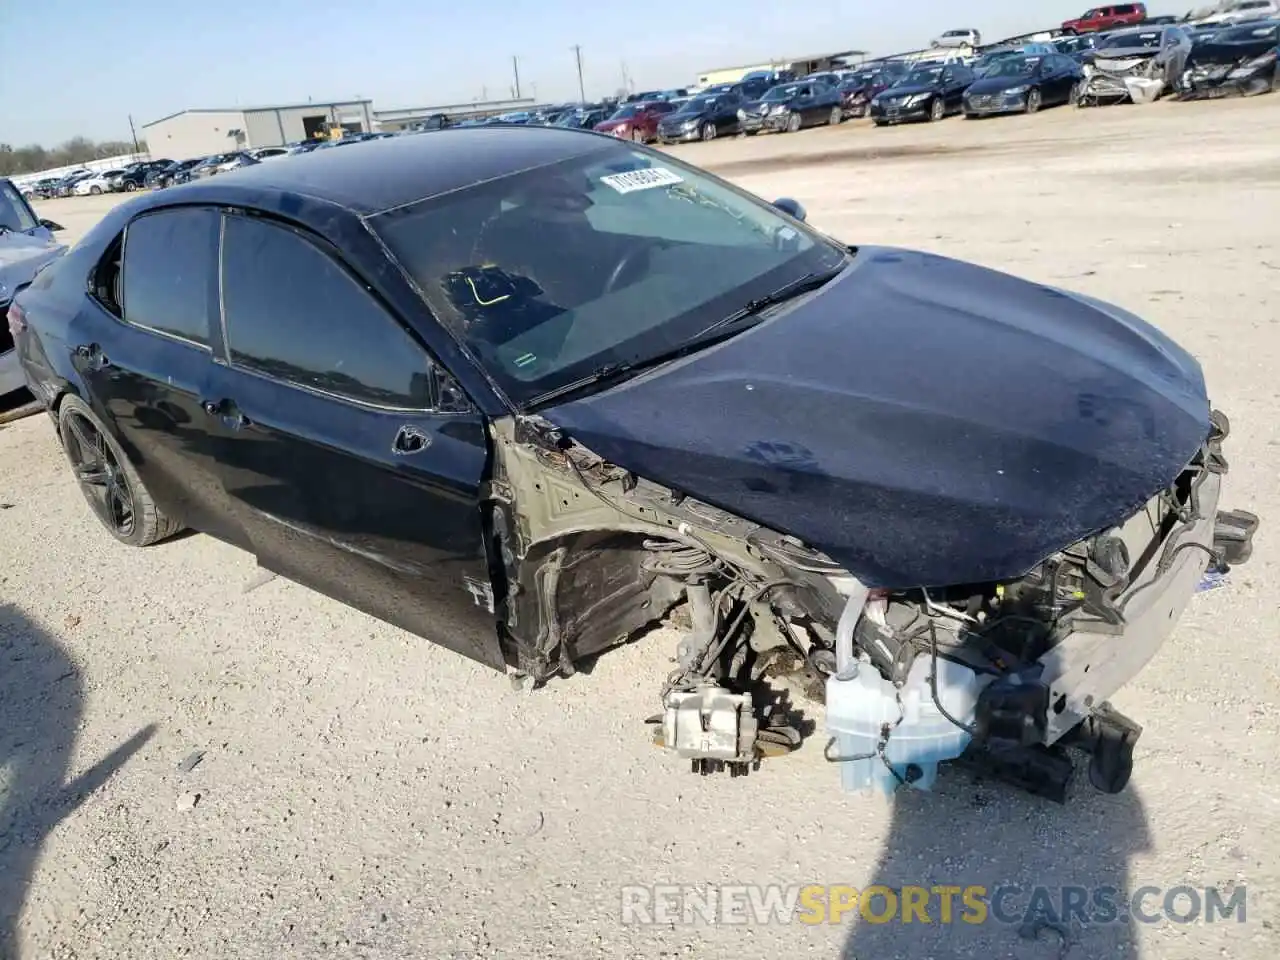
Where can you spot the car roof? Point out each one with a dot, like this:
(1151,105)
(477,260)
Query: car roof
(393,171)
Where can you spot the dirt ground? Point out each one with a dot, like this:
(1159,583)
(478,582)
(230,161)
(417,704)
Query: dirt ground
(364,795)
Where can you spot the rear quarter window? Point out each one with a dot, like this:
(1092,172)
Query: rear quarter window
(170,272)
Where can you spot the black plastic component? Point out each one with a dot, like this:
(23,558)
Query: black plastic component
(1043,771)
(1233,533)
(1110,737)
(1012,713)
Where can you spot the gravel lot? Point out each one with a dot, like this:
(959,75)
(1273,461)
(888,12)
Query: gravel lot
(364,795)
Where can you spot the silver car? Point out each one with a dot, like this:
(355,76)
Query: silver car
(26,245)
(958,38)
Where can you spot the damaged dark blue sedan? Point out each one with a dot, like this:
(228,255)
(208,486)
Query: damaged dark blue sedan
(524,391)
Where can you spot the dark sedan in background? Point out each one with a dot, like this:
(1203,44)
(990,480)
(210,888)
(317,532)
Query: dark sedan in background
(1024,85)
(134,176)
(220,163)
(790,106)
(584,118)
(168,176)
(926,93)
(859,89)
(1238,61)
(702,118)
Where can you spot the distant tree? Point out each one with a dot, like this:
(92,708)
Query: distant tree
(33,158)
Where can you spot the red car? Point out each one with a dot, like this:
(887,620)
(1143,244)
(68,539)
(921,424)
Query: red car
(636,121)
(1107,18)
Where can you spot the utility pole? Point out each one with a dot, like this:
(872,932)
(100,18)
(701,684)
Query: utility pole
(515,69)
(577,54)
(133,133)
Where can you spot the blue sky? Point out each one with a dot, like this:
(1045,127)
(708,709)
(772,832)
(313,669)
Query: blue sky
(82,68)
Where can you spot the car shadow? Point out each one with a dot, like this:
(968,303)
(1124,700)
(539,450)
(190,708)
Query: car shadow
(41,703)
(1034,859)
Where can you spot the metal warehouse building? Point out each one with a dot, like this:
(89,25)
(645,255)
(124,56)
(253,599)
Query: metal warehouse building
(197,133)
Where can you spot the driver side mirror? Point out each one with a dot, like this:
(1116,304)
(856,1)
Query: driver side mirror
(50,225)
(791,208)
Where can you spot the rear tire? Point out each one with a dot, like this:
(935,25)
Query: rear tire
(85,439)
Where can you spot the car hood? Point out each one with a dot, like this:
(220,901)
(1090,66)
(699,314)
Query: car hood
(999,84)
(922,420)
(902,90)
(677,119)
(1211,54)
(21,255)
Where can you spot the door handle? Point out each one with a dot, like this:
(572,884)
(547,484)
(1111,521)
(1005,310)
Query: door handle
(227,412)
(409,440)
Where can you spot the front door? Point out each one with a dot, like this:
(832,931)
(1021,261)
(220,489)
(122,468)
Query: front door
(340,449)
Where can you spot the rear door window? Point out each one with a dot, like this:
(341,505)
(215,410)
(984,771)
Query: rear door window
(294,313)
(170,272)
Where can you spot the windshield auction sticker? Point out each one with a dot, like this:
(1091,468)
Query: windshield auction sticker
(634,180)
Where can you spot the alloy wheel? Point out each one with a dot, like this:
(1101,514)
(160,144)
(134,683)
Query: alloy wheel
(95,190)
(130,186)
(709,131)
(637,135)
(793,123)
(837,114)
(937,109)
(1033,101)
(100,476)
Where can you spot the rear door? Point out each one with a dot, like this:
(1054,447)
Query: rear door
(352,459)
(140,343)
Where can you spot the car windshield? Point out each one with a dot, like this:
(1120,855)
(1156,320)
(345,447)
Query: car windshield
(14,212)
(786,91)
(614,256)
(1131,41)
(1014,67)
(623,113)
(1250,34)
(925,77)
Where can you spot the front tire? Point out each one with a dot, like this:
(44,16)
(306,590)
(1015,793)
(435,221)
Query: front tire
(130,186)
(793,123)
(109,482)
(837,116)
(1033,100)
(637,136)
(95,190)
(709,131)
(937,110)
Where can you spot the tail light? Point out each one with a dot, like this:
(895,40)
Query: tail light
(17,320)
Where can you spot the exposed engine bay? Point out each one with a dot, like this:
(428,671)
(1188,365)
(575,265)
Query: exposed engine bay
(1006,675)
(1111,80)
